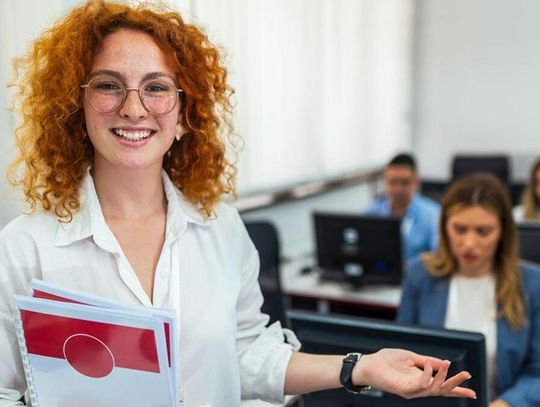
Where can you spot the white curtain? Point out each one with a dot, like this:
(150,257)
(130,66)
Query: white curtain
(323,86)
(20,22)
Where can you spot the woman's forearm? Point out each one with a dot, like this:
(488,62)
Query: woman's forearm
(307,373)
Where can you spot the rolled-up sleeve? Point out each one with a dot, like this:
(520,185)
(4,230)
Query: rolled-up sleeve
(264,352)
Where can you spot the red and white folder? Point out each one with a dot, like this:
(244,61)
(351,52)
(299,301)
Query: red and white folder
(42,289)
(76,354)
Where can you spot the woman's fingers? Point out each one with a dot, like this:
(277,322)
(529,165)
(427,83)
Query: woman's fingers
(427,376)
(451,386)
(438,385)
(440,377)
(461,392)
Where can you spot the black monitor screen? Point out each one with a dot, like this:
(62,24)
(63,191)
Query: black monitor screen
(365,248)
(529,241)
(325,334)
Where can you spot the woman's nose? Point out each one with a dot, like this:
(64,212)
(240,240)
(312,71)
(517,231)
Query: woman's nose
(133,107)
(470,239)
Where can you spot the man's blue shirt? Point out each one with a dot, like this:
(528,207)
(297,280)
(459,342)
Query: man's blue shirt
(419,225)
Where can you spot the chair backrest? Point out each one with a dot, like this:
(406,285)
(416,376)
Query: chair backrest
(433,189)
(516,191)
(498,165)
(266,240)
(529,241)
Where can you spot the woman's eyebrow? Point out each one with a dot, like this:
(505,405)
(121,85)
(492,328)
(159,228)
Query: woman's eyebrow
(147,76)
(107,72)
(155,75)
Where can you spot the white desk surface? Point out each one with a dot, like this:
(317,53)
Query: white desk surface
(309,285)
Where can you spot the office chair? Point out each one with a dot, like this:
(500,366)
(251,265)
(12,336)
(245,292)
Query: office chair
(529,241)
(516,191)
(265,238)
(433,189)
(495,164)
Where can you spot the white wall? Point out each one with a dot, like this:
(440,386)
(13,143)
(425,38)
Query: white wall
(476,81)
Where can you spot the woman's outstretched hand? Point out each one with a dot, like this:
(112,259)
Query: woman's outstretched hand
(410,375)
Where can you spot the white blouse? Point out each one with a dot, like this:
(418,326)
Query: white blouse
(472,307)
(207,272)
(519,215)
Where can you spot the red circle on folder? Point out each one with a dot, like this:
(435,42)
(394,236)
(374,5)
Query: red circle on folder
(88,355)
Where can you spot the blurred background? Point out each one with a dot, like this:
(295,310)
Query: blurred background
(329,90)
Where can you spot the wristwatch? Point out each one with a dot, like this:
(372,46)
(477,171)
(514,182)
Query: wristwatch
(345,377)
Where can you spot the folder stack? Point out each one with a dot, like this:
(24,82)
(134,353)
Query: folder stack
(82,350)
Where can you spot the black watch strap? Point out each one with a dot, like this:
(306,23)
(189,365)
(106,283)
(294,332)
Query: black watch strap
(345,376)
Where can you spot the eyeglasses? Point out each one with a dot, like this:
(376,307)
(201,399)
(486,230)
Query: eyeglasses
(107,94)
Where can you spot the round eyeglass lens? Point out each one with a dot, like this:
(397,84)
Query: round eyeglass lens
(105,94)
(159,97)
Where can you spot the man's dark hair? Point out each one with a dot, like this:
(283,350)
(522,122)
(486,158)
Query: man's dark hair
(403,159)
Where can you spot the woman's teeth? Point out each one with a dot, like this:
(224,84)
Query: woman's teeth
(133,135)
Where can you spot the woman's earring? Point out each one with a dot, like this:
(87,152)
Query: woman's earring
(180,131)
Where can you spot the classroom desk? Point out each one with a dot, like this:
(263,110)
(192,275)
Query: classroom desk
(307,291)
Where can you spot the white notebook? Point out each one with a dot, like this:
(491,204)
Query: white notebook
(83,350)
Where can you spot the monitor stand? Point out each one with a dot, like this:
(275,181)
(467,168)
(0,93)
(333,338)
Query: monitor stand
(338,275)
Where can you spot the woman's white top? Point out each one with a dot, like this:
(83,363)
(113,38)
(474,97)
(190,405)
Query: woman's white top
(472,307)
(207,272)
(519,216)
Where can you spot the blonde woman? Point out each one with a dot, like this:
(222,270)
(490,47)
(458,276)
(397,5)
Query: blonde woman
(529,210)
(475,282)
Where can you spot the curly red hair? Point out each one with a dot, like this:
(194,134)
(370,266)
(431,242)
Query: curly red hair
(54,153)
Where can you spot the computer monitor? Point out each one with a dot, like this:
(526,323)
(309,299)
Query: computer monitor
(329,334)
(529,241)
(360,249)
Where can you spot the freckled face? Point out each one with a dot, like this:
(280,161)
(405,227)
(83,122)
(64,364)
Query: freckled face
(131,137)
(474,234)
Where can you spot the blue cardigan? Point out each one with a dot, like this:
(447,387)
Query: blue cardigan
(424,300)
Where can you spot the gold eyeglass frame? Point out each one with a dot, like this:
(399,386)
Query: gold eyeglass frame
(126,91)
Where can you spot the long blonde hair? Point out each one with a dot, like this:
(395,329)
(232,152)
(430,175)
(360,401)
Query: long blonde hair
(529,200)
(488,192)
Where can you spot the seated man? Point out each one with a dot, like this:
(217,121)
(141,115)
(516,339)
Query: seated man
(420,215)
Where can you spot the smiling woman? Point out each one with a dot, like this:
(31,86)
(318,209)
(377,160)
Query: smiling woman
(144,127)
(64,59)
